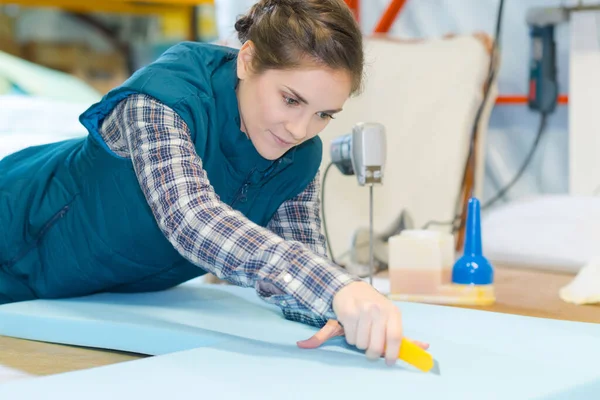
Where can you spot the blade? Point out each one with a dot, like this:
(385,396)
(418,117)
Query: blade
(436,368)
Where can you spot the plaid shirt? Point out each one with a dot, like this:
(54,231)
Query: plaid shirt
(286,263)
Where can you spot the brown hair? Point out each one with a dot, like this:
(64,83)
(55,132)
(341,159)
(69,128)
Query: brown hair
(287,32)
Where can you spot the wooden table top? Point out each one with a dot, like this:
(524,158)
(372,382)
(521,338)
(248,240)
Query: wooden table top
(534,293)
(518,291)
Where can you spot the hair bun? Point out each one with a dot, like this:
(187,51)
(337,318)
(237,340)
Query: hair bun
(289,33)
(242,27)
(258,10)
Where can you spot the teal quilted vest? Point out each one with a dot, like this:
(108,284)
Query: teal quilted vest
(73,218)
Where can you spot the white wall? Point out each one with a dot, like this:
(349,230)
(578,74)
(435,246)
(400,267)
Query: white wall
(584,121)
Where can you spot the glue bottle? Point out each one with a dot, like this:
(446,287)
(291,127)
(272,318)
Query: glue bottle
(473,268)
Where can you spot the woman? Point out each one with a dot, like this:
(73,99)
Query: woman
(204,161)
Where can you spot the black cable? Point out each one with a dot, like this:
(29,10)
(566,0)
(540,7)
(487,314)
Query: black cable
(528,159)
(441,223)
(323,212)
(499,21)
(492,70)
(500,194)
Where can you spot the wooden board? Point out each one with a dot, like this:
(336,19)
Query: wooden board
(46,359)
(535,294)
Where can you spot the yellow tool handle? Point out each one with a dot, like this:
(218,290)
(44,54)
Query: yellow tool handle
(415,355)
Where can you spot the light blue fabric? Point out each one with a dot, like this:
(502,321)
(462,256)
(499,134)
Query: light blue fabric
(36,80)
(15,89)
(119,321)
(218,335)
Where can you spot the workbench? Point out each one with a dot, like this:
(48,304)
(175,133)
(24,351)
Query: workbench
(519,291)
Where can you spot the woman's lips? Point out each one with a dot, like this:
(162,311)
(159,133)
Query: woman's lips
(280,141)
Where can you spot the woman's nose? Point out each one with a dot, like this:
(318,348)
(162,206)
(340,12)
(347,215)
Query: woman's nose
(298,128)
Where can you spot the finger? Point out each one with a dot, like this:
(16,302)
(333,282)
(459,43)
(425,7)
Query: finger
(393,337)
(378,330)
(363,329)
(422,345)
(350,330)
(331,329)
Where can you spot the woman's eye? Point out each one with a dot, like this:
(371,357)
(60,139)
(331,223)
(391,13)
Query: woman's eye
(325,115)
(290,101)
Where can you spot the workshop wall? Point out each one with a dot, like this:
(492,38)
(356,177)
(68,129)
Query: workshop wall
(512,129)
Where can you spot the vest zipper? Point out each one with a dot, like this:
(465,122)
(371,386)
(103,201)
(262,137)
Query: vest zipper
(241,193)
(60,214)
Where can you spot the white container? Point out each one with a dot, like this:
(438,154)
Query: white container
(420,261)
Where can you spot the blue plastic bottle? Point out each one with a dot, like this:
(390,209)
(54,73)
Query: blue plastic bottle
(473,268)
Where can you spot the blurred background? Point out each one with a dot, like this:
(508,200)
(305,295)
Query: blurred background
(102,42)
(74,51)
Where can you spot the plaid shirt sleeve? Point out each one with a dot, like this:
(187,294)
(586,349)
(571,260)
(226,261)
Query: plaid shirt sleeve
(298,219)
(211,234)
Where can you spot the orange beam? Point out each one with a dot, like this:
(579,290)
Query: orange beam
(354,5)
(389,16)
(114,6)
(512,99)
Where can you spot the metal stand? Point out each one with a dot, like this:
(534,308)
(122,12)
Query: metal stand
(371,255)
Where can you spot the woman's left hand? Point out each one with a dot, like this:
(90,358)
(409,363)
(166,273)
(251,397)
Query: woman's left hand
(332,329)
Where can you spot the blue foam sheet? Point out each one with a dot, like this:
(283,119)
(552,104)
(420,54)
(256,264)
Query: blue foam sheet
(207,337)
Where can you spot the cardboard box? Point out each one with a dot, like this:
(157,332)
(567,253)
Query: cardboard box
(103,71)
(65,57)
(8,44)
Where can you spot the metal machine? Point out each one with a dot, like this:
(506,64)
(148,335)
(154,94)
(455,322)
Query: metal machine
(543,85)
(363,153)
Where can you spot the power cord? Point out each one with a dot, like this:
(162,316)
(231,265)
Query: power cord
(526,163)
(326,232)
(323,212)
(492,70)
(502,192)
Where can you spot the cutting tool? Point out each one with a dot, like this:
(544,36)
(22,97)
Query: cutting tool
(417,357)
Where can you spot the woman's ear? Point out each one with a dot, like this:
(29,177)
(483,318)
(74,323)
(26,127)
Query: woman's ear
(244,60)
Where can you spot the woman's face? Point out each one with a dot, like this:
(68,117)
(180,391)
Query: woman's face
(280,109)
